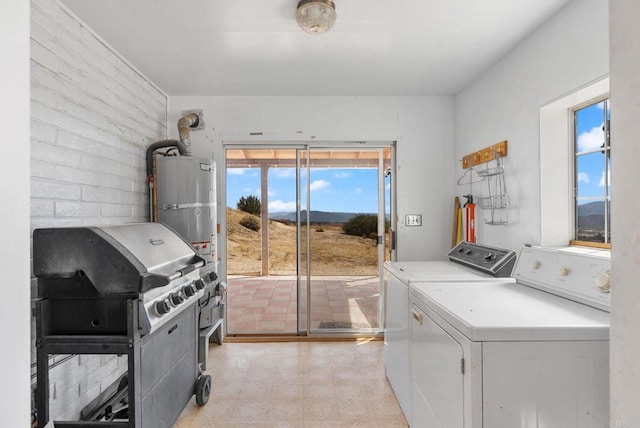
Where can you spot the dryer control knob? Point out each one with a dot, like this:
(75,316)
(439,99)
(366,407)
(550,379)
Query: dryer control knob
(565,271)
(603,282)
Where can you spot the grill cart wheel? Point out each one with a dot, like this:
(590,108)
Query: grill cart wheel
(203,389)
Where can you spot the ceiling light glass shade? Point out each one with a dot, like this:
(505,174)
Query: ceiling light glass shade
(316,16)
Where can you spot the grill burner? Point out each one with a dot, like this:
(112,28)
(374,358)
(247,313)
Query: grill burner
(131,289)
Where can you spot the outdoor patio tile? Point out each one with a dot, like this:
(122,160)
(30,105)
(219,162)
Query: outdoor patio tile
(271,326)
(276,309)
(281,303)
(275,317)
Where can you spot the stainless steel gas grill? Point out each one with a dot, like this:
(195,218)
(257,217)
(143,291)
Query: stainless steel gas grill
(132,290)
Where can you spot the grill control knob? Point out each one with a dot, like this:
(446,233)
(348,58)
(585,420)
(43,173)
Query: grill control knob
(162,307)
(199,284)
(212,276)
(188,290)
(176,298)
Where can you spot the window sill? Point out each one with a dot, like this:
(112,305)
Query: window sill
(588,251)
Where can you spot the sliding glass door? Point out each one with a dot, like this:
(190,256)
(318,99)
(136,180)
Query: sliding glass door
(314,264)
(343,230)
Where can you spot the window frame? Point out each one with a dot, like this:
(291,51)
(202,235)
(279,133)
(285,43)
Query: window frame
(557,158)
(576,154)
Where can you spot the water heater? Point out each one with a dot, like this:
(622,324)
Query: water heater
(186,200)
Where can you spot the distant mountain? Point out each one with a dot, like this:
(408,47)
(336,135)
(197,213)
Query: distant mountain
(316,216)
(591,221)
(591,216)
(592,208)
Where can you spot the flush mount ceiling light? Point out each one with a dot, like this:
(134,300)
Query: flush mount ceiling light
(316,16)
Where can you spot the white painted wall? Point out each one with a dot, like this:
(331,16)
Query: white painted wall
(422,127)
(624,22)
(565,53)
(92,117)
(14,215)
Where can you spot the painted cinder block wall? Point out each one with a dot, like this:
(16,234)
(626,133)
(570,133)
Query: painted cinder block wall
(92,117)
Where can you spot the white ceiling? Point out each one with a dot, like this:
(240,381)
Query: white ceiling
(254,47)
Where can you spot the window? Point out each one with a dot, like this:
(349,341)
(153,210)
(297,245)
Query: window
(561,163)
(592,177)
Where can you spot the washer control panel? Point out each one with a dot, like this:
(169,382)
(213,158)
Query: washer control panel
(580,277)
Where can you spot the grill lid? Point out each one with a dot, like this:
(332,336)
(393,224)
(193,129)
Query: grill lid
(131,258)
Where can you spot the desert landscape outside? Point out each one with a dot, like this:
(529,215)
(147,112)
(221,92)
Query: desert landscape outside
(344,279)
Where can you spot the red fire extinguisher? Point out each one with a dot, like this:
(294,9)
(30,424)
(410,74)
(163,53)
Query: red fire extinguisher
(470,214)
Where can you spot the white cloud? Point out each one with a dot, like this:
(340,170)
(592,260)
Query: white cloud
(583,177)
(318,184)
(284,172)
(279,205)
(235,171)
(342,175)
(591,139)
(357,190)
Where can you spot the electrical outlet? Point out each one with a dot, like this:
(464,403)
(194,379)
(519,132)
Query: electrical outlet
(413,220)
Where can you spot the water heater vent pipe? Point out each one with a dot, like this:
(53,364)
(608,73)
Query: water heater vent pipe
(185,124)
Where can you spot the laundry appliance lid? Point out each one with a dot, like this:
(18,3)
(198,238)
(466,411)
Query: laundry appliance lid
(501,311)
(438,271)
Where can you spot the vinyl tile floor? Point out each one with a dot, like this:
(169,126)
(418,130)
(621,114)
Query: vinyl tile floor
(296,384)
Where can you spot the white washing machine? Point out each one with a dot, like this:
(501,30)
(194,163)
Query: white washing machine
(507,355)
(468,262)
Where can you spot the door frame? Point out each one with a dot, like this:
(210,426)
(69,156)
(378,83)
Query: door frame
(318,145)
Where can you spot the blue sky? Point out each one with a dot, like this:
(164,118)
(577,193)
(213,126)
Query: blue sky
(590,167)
(352,190)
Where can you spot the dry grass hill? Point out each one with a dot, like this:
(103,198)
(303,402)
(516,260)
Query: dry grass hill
(333,252)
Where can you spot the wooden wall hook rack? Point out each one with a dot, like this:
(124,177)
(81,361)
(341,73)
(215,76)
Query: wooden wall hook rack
(485,155)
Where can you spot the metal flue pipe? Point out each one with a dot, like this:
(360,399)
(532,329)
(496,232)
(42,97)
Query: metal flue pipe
(184,124)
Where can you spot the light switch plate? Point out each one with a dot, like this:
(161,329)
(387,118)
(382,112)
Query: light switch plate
(413,220)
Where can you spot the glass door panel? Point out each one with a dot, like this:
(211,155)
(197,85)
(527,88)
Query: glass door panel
(345,224)
(261,241)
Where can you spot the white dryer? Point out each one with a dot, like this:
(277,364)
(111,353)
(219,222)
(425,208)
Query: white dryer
(467,262)
(507,355)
